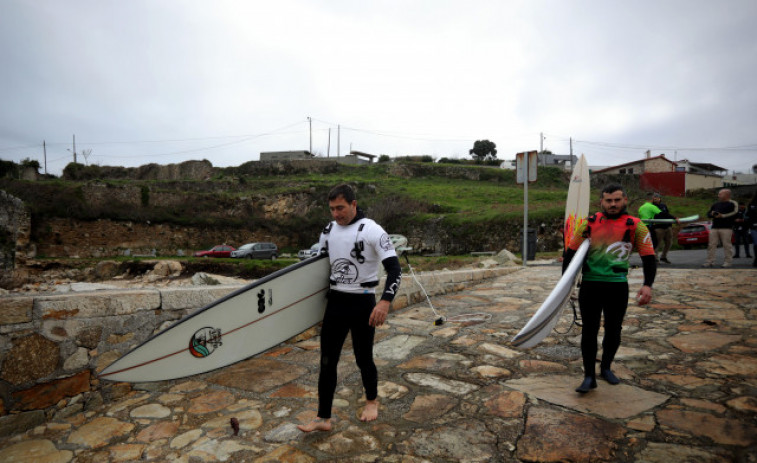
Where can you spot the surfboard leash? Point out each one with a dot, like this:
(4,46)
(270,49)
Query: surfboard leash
(440,319)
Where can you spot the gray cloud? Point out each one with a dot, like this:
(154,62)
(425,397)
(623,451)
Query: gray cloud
(143,81)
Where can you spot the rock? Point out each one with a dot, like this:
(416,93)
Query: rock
(505,257)
(31,358)
(99,432)
(48,394)
(16,310)
(429,407)
(722,431)
(466,440)
(157,431)
(77,361)
(89,337)
(211,402)
(165,268)
(554,435)
(150,411)
(268,374)
(35,451)
(285,454)
(107,269)
(20,422)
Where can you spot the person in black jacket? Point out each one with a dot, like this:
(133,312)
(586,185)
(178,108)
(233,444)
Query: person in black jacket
(663,231)
(750,217)
(741,232)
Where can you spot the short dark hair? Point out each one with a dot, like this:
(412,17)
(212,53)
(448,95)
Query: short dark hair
(343,190)
(612,188)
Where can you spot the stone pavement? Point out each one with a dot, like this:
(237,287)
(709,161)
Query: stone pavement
(456,392)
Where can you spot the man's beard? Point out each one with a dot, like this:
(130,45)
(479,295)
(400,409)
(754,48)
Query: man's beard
(615,216)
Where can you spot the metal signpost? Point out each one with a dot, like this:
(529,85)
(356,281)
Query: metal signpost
(525,173)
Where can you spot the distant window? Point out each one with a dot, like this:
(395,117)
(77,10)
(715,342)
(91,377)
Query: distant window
(630,171)
(622,171)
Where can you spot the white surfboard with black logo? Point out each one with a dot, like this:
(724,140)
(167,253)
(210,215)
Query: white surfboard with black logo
(244,323)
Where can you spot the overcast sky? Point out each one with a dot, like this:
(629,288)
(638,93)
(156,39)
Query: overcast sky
(166,81)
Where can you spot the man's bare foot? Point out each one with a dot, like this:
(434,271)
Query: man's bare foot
(318,424)
(370,412)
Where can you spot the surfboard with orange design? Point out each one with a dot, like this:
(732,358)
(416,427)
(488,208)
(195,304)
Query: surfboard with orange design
(576,212)
(577,204)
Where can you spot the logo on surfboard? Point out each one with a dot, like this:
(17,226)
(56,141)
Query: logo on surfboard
(205,341)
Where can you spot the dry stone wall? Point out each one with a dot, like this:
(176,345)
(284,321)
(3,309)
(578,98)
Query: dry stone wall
(15,229)
(107,238)
(53,346)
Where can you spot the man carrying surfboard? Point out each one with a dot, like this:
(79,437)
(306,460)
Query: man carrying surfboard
(355,245)
(604,289)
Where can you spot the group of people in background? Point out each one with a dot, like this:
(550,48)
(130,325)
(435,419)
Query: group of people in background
(733,225)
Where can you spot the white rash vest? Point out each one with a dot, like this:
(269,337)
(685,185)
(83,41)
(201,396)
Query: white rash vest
(352,271)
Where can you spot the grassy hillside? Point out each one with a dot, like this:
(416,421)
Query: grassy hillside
(471,204)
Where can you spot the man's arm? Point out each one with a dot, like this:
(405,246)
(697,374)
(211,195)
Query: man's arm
(393,280)
(566,258)
(650,271)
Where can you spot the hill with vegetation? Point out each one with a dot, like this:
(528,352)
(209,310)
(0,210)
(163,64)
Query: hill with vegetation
(441,207)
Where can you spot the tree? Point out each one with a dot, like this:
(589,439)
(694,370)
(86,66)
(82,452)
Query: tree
(483,150)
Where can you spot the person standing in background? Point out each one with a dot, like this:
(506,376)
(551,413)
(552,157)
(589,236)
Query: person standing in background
(647,211)
(750,216)
(741,232)
(663,231)
(722,214)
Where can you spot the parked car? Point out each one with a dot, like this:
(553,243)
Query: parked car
(310,252)
(694,234)
(257,251)
(222,250)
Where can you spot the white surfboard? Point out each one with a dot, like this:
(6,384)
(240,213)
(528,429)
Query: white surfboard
(576,212)
(246,322)
(691,218)
(545,319)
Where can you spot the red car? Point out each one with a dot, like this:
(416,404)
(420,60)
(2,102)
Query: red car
(696,233)
(222,250)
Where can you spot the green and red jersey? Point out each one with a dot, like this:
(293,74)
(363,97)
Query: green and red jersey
(612,242)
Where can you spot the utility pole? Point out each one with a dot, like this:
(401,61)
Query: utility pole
(525,208)
(44,150)
(74,148)
(328,145)
(541,148)
(571,154)
(310,123)
(338,140)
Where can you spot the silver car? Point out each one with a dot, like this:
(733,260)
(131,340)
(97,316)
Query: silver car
(257,251)
(307,253)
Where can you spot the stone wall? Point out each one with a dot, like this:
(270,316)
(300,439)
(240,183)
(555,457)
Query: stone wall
(53,346)
(15,229)
(106,238)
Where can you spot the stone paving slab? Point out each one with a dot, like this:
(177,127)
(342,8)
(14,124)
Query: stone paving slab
(455,392)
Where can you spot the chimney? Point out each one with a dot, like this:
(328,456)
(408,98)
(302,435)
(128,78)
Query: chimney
(649,154)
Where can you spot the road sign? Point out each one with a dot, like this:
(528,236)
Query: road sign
(523,161)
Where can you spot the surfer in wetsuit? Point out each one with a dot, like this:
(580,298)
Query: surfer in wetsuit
(604,289)
(356,245)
